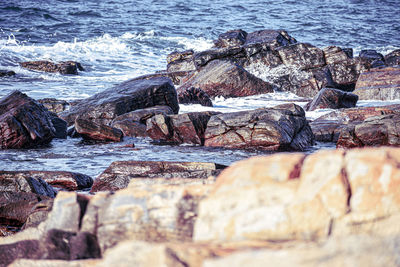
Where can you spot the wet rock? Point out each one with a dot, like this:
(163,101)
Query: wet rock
(120,173)
(63,67)
(335,54)
(60,127)
(12,181)
(223,78)
(379,84)
(393,58)
(182,128)
(134,123)
(54,105)
(24,123)
(194,96)
(301,55)
(269,58)
(333,99)
(131,95)
(375,131)
(231,38)
(373,57)
(327,130)
(270,38)
(265,128)
(59,179)
(345,73)
(181,61)
(94,131)
(233,54)
(6,73)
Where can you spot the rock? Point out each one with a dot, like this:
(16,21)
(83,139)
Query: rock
(270,38)
(265,128)
(194,95)
(25,183)
(54,105)
(393,58)
(345,73)
(60,179)
(232,54)
(181,61)
(334,54)
(63,67)
(332,98)
(94,131)
(6,73)
(60,127)
(376,59)
(182,128)
(119,173)
(24,123)
(134,123)
(301,55)
(327,130)
(39,213)
(177,77)
(231,38)
(222,78)
(131,95)
(379,84)
(269,58)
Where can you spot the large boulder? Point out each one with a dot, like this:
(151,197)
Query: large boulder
(335,54)
(134,94)
(63,67)
(24,123)
(301,55)
(223,78)
(379,84)
(181,61)
(264,128)
(120,173)
(345,73)
(332,98)
(373,57)
(231,38)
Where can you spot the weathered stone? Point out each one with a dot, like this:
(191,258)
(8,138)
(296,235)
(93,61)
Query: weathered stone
(270,129)
(180,61)
(231,38)
(346,72)
(271,38)
(60,127)
(94,131)
(39,213)
(24,123)
(177,77)
(373,57)
(120,173)
(63,67)
(201,59)
(6,73)
(194,95)
(182,128)
(393,58)
(379,84)
(334,54)
(327,130)
(24,183)
(301,55)
(223,78)
(59,179)
(54,105)
(128,96)
(332,98)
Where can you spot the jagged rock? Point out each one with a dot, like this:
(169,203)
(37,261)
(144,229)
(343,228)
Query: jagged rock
(94,131)
(24,123)
(182,128)
(335,54)
(59,179)
(264,128)
(345,73)
(223,78)
(379,84)
(231,38)
(60,127)
(332,98)
(6,73)
(301,55)
(194,96)
(233,54)
(54,105)
(373,57)
(393,58)
(181,61)
(134,123)
(63,67)
(270,38)
(131,95)
(120,173)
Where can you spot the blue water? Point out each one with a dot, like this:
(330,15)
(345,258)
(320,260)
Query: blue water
(121,39)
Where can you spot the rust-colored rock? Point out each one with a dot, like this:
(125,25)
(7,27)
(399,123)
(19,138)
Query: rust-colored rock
(194,96)
(94,131)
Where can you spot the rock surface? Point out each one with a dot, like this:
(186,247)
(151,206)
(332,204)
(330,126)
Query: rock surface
(63,67)
(265,128)
(6,73)
(94,131)
(393,58)
(24,123)
(333,99)
(194,96)
(54,105)
(120,173)
(134,94)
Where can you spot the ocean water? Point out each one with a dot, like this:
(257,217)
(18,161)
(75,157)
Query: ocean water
(122,39)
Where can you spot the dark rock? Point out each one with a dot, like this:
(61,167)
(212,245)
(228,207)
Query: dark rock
(269,129)
(11,181)
(268,58)
(5,73)
(134,123)
(373,57)
(24,123)
(303,56)
(379,84)
(201,59)
(60,127)
(348,51)
(94,131)
(182,128)
(71,132)
(54,105)
(273,39)
(177,77)
(59,179)
(332,98)
(231,38)
(393,58)
(346,72)
(118,175)
(194,96)
(131,95)
(63,67)
(326,130)
(223,78)
(181,61)
(335,54)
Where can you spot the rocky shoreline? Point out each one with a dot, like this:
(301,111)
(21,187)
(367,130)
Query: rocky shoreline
(332,207)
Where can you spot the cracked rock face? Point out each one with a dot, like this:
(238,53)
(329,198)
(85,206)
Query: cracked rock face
(265,128)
